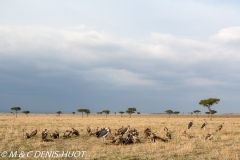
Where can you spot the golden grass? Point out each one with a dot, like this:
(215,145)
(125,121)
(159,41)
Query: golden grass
(225,144)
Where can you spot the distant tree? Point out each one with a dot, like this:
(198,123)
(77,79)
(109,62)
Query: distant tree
(196,111)
(81,110)
(176,112)
(130,111)
(106,112)
(115,114)
(100,113)
(26,112)
(16,109)
(121,112)
(212,112)
(87,111)
(138,113)
(73,113)
(208,103)
(169,112)
(59,112)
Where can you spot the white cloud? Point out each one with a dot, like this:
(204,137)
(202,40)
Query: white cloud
(227,35)
(98,56)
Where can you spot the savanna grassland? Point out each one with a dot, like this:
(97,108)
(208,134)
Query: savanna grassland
(225,144)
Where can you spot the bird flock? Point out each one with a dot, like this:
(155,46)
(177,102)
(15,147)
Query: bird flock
(123,135)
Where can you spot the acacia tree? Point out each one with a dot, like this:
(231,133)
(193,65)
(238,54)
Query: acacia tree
(81,110)
(26,112)
(169,112)
(176,112)
(16,109)
(73,113)
(87,111)
(196,111)
(208,103)
(121,112)
(130,111)
(106,112)
(59,112)
(138,113)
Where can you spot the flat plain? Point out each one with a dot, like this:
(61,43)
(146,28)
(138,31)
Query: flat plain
(224,145)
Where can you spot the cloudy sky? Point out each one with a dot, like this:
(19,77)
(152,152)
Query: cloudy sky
(152,55)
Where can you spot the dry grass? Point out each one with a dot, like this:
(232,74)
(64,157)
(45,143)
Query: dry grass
(225,144)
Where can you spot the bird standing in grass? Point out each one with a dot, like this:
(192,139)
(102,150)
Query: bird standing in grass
(190,124)
(219,127)
(204,124)
(103,133)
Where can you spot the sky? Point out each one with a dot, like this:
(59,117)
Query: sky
(113,55)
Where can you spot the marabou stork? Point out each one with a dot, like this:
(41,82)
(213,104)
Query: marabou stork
(103,133)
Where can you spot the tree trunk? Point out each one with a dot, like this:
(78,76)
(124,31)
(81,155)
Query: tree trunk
(210,113)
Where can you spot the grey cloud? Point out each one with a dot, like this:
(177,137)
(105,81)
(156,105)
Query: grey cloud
(60,67)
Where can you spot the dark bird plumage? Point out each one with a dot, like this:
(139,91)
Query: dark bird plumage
(89,130)
(103,133)
(204,125)
(219,127)
(125,130)
(190,124)
(44,134)
(34,133)
(209,136)
(75,132)
(54,135)
(26,135)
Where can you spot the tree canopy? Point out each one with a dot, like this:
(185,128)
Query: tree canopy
(82,110)
(16,109)
(26,112)
(212,112)
(176,112)
(87,111)
(121,112)
(106,112)
(169,112)
(59,112)
(130,111)
(208,103)
(196,111)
